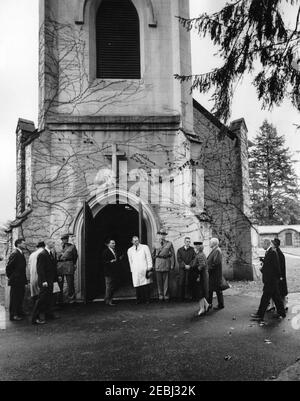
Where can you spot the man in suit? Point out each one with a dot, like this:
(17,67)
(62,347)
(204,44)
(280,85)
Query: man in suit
(110,260)
(17,280)
(47,276)
(185,257)
(271,276)
(164,260)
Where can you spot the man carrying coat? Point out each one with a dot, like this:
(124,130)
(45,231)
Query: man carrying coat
(271,276)
(164,260)
(17,280)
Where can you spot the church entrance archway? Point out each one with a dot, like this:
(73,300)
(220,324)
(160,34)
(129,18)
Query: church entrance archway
(119,221)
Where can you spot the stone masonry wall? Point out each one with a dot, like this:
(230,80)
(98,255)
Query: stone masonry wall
(224,160)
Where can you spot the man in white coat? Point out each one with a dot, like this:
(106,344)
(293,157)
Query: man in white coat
(141,266)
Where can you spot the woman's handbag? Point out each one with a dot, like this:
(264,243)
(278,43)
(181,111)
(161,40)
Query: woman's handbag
(224,284)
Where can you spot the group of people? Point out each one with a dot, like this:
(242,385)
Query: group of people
(199,277)
(275,289)
(48,271)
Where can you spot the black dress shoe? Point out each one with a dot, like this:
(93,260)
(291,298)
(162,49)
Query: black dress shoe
(254,315)
(38,321)
(110,304)
(219,307)
(16,319)
(277,316)
(256,318)
(51,317)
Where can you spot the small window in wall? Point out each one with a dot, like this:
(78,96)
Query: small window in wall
(288,239)
(118,40)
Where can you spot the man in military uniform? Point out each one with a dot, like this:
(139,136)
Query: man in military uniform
(164,261)
(67,266)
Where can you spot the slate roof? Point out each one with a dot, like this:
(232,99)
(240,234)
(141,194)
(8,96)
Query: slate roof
(213,119)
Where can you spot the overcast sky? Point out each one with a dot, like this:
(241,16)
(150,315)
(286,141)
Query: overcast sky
(19,87)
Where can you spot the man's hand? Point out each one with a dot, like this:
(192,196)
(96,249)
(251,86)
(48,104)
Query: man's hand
(45,284)
(113,261)
(187,267)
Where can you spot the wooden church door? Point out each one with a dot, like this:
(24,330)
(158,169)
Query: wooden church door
(90,273)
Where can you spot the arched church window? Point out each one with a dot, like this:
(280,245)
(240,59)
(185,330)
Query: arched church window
(118,40)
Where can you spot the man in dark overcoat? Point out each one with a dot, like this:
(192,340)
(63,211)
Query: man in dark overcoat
(271,276)
(47,276)
(283,288)
(17,280)
(185,256)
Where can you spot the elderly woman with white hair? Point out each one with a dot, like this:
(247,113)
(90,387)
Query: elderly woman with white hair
(214,262)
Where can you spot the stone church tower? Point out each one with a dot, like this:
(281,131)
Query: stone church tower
(121,148)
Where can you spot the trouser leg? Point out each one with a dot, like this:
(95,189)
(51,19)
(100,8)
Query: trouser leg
(21,296)
(210,297)
(166,286)
(138,294)
(146,293)
(278,302)
(264,302)
(16,301)
(12,302)
(182,283)
(61,286)
(42,304)
(71,285)
(108,289)
(159,281)
(220,298)
(187,289)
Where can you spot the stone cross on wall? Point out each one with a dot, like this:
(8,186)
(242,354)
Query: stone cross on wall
(115,155)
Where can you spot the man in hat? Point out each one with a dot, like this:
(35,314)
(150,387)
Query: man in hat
(271,275)
(283,290)
(164,261)
(67,267)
